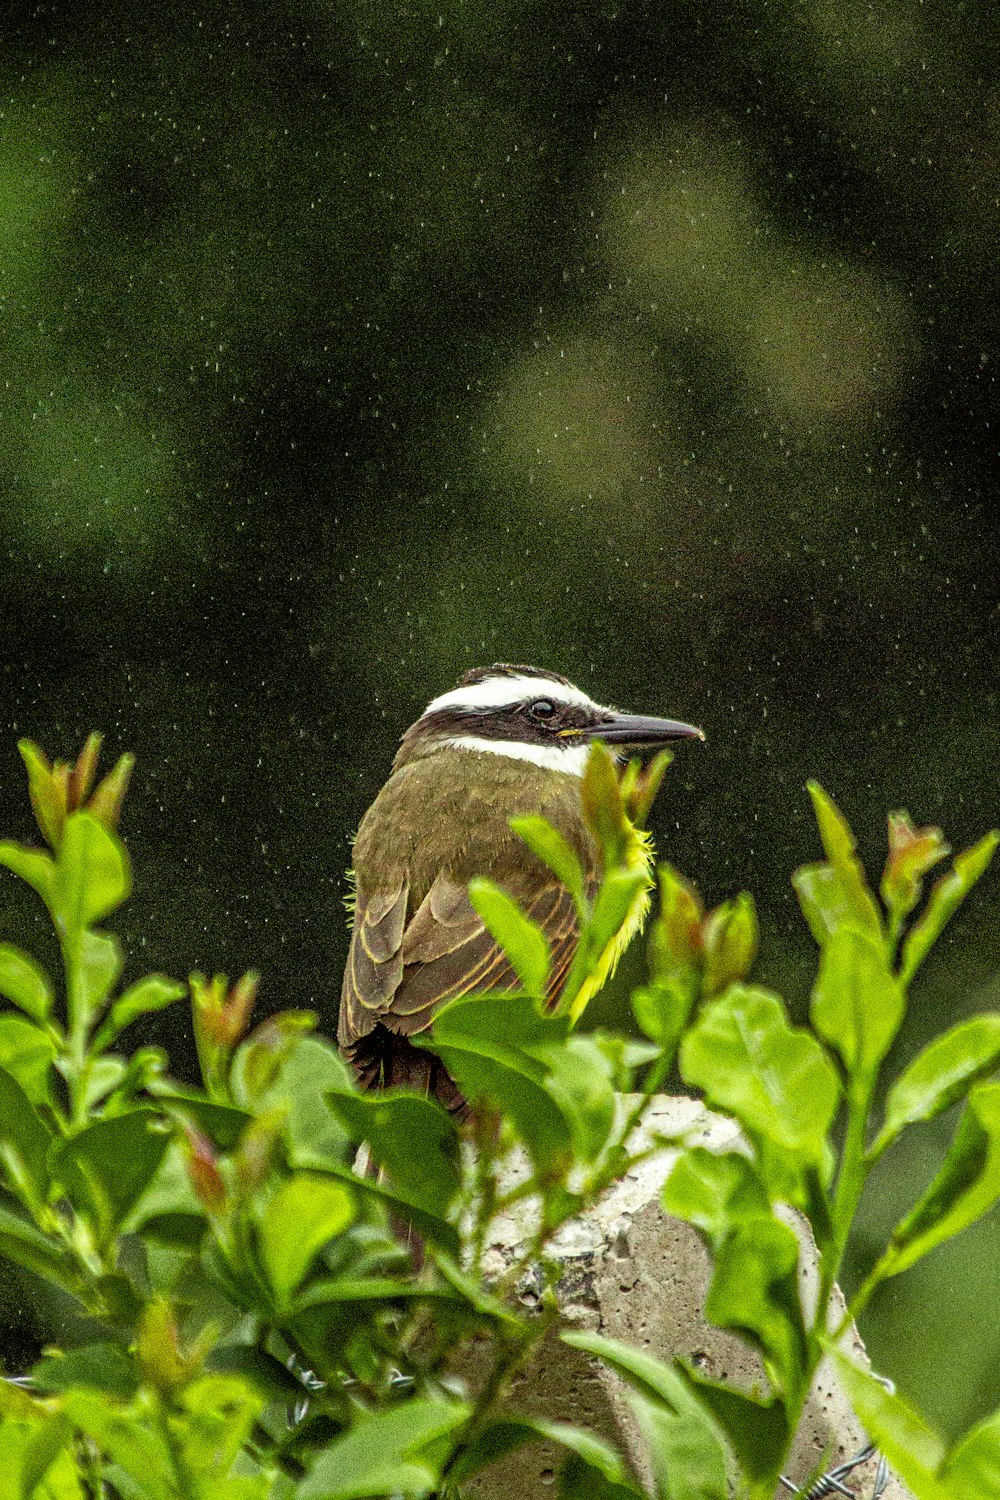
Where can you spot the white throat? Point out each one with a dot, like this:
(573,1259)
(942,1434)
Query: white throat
(570,760)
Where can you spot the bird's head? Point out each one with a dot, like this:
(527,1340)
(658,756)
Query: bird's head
(532,715)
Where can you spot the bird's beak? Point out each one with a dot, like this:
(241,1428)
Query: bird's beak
(641,732)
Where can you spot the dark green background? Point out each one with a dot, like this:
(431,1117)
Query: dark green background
(348,345)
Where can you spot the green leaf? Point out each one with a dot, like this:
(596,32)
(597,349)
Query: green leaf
(102,1075)
(258,1369)
(483,1041)
(552,849)
(688,1459)
(92,977)
(127,1436)
(414,1139)
(774,1078)
(714,1191)
(110,1164)
(431,1228)
(478,1296)
(25,983)
(972,1468)
(305,1213)
(662,1009)
(602,1475)
(521,939)
(827,906)
(99,1367)
(396,1451)
(758,1431)
(755,1291)
(27,1246)
(579,1077)
(613,905)
(23,1132)
(27,1053)
(913,1449)
(691,1455)
(309,1070)
(147,995)
(966,1187)
(218,1414)
(941,1075)
(224,1124)
(945,898)
(48,797)
(851,900)
(33,866)
(92,875)
(857,1004)
(601,796)
(731,936)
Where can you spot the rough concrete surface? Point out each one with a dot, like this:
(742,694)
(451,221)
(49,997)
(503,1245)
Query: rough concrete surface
(634,1273)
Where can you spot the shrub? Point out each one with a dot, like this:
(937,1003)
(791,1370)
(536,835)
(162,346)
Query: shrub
(251,1325)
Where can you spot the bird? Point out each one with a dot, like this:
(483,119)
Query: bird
(508,740)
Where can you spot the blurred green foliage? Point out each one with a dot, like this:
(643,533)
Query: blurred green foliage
(349,344)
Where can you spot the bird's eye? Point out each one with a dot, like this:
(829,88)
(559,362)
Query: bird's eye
(542,708)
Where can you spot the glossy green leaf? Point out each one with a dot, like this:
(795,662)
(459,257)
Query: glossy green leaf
(730,935)
(431,1227)
(578,1077)
(774,1078)
(713,1191)
(485,1042)
(152,993)
(304,1214)
(309,1069)
(847,898)
(857,1003)
(110,1164)
(23,1132)
(92,874)
(945,898)
(224,1124)
(94,974)
(99,1367)
(600,794)
(102,1075)
(396,1451)
(941,1074)
(33,866)
(755,1292)
(662,1009)
(22,1243)
(413,1138)
(521,939)
(966,1187)
(686,1454)
(757,1430)
(27,1054)
(127,1436)
(688,1450)
(25,983)
(552,849)
(598,1473)
(913,1449)
(972,1468)
(615,900)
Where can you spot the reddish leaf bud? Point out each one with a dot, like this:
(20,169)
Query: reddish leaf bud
(203,1171)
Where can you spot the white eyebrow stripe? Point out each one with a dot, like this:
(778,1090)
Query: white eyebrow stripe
(570,760)
(495,692)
